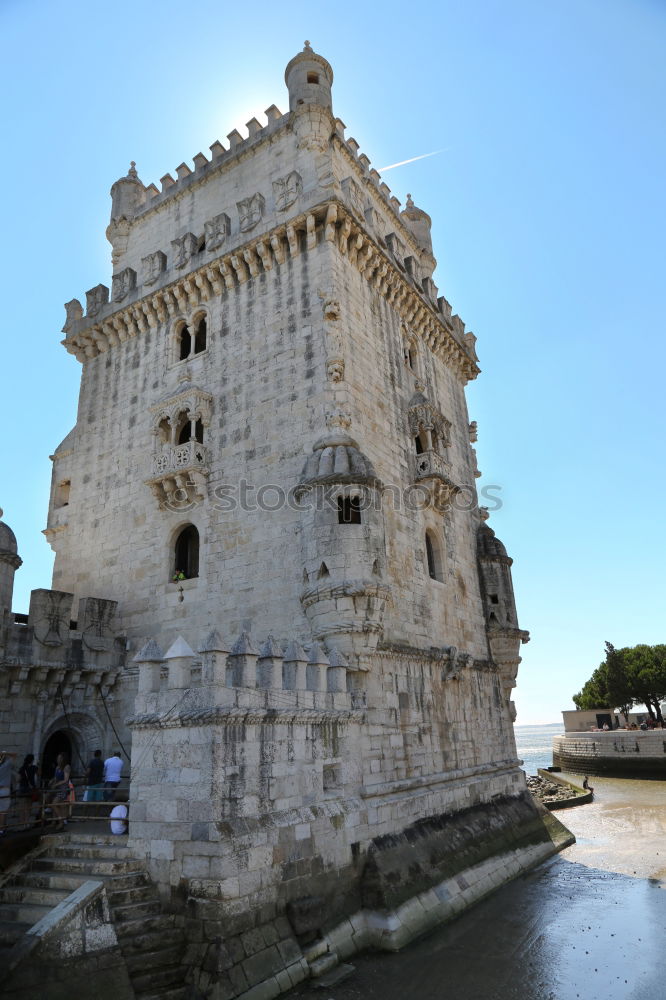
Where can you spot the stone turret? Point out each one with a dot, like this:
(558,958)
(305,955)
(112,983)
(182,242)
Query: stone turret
(504,635)
(419,223)
(127,196)
(9,563)
(309,79)
(344,594)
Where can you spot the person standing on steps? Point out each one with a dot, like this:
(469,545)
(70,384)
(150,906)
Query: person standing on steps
(28,787)
(95,777)
(60,784)
(113,768)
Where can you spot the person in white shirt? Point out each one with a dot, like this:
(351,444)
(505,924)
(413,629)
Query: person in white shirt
(113,767)
(118,817)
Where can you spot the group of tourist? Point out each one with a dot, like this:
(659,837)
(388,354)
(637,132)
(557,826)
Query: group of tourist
(102,778)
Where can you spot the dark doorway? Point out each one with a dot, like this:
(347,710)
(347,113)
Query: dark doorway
(58,742)
(603,720)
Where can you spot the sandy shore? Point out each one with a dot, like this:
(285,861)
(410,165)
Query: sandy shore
(589,924)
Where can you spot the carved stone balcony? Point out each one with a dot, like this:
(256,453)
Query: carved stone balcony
(180,475)
(433,472)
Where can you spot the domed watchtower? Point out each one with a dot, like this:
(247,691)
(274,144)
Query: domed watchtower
(344,593)
(9,563)
(504,635)
(419,223)
(309,79)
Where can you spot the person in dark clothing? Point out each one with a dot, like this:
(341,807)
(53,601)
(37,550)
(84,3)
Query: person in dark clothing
(587,786)
(95,777)
(28,791)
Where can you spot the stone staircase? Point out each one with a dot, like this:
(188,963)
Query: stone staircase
(149,940)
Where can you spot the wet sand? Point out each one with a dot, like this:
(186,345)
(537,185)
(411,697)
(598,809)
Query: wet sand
(589,924)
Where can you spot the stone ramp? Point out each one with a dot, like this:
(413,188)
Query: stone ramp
(150,944)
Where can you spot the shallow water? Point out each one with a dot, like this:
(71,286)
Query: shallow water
(587,924)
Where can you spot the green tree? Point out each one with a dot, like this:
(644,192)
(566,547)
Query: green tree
(647,671)
(594,693)
(619,689)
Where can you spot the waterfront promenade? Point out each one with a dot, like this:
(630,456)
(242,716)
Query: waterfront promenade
(588,924)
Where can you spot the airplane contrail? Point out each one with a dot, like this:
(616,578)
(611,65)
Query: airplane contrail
(402,163)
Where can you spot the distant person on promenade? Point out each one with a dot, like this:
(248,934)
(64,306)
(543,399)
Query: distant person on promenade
(95,777)
(587,786)
(113,768)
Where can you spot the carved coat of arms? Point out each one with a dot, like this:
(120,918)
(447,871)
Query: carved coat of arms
(286,190)
(153,266)
(122,284)
(250,211)
(217,230)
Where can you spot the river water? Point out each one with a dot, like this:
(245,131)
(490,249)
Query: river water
(588,924)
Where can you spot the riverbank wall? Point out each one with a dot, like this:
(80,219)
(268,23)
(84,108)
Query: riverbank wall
(617,753)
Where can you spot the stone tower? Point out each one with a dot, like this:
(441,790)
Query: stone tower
(272,477)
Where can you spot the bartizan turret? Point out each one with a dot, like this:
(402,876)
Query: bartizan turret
(9,563)
(344,592)
(309,79)
(128,195)
(504,635)
(419,223)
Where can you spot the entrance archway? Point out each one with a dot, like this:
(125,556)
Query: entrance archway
(58,742)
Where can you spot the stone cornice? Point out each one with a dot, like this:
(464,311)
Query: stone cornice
(329,220)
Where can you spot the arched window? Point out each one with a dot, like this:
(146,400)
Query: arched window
(185,429)
(164,430)
(186,554)
(433,557)
(184,343)
(200,336)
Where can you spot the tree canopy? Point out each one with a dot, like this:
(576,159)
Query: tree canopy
(634,675)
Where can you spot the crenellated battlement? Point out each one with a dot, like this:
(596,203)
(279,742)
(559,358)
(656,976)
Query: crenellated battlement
(221,158)
(225,679)
(47,649)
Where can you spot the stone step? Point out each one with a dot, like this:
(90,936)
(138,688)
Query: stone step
(142,961)
(170,993)
(149,934)
(23,913)
(101,852)
(89,839)
(29,894)
(324,964)
(171,975)
(136,911)
(71,881)
(131,894)
(88,866)
(11,931)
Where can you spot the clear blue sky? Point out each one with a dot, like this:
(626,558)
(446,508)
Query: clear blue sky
(549,217)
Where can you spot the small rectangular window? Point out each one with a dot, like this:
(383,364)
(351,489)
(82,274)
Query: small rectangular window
(313,77)
(61,498)
(494,599)
(349,510)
